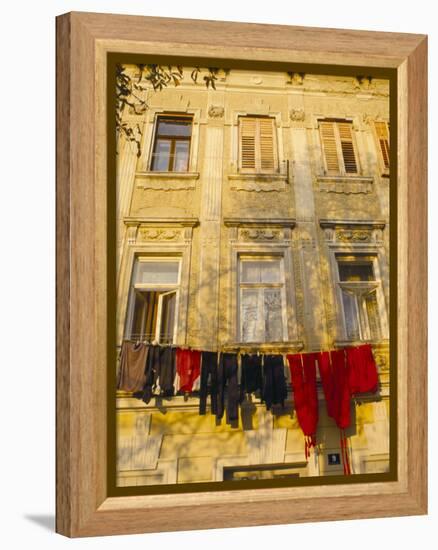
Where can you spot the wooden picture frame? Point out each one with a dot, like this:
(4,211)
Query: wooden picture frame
(84,40)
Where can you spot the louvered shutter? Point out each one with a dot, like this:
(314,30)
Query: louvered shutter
(383,137)
(347,147)
(329,146)
(267,145)
(257,145)
(248,131)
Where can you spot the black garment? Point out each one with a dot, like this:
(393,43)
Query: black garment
(167,370)
(151,372)
(274,381)
(160,368)
(251,374)
(209,369)
(227,379)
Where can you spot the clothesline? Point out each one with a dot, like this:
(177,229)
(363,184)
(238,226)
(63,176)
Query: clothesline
(146,370)
(251,347)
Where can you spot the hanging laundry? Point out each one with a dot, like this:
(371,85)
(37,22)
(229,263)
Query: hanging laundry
(188,367)
(274,390)
(131,376)
(228,385)
(251,379)
(166,371)
(209,385)
(362,369)
(334,376)
(303,376)
(151,373)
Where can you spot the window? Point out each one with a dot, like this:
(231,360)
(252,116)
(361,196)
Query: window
(261,300)
(153,297)
(257,145)
(172,144)
(359,291)
(382,133)
(339,148)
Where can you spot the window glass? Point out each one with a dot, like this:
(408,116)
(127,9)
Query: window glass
(273,315)
(172,144)
(174,127)
(250,314)
(156,272)
(261,301)
(351,316)
(267,271)
(350,271)
(181,161)
(161,155)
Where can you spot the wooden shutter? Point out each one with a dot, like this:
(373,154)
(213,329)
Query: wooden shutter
(328,138)
(257,145)
(347,147)
(267,146)
(383,137)
(248,131)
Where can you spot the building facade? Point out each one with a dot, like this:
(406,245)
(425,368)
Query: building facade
(256,217)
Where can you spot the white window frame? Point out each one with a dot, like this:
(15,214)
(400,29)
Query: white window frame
(242,285)
(165,289)
(360,289)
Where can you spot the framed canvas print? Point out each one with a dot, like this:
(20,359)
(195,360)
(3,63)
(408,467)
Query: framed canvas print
(241,274)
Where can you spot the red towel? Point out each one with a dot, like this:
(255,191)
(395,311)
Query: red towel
(303,375)
(362,369)
(188,367)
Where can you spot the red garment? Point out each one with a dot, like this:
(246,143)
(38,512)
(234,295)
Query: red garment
(362,369)
(303,375)
(341,388)
(327,380)
(188,367)
(334,373)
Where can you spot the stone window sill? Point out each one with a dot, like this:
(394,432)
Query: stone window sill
(346,184)
(257,182)
(166,181)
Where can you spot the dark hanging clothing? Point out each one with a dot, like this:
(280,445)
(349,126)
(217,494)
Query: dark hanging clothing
(274,381)
(131,376)
(188,367)
(362,369)
(166,373)
(228,384)
(151,373)
(251,380)
(209,370)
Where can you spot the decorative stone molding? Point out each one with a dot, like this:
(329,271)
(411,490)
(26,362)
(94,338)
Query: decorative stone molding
(352,231)
(297,115)
(163,230)
(256,234)
(343,86)
(146,234)
(364,83)
(363,236)
(216,111)
(297,79)
(345,185)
